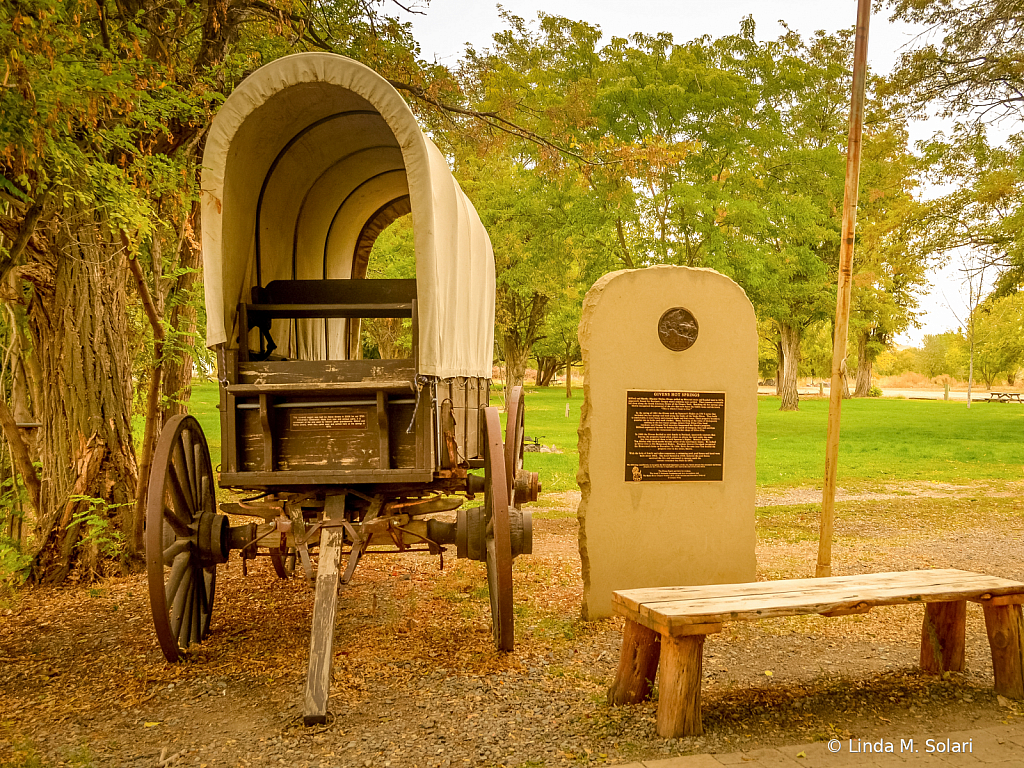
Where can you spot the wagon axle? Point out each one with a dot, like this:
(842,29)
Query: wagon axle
(216,538)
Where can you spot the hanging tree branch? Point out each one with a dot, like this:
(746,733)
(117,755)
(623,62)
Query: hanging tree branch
(494,120)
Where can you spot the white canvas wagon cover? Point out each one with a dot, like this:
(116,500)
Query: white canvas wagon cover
(308,160)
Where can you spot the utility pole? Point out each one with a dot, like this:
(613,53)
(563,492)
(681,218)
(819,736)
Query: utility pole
(828,494)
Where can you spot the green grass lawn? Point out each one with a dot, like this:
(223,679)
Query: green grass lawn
(885,440)
(882,440)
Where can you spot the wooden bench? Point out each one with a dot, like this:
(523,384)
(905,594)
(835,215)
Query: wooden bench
(668,625)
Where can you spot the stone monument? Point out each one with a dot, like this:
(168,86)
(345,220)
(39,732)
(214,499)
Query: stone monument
(668,432)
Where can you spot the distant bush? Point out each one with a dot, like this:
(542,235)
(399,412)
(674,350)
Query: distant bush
(910,380)
(875,391)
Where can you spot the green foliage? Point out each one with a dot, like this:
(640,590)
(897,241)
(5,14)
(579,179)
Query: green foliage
(893,362)
(14,561)
(94,517)
(969,63)
(875,391)
(724,153)
(943,353)
(393,257)
(999,338)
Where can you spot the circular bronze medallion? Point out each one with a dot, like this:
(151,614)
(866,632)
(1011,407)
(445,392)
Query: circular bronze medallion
(677,329)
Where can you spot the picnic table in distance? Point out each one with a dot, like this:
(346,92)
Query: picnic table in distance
(1004,397)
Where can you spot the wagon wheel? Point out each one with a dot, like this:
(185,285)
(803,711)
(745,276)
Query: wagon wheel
(181,510)
(499,535)
(515,438)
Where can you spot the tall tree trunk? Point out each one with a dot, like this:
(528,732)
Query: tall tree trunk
(547,367)
(179,368)
(517,355)
(790,344)
(781,362)
(970,369)
(520,332)
(77,321)
(863,386)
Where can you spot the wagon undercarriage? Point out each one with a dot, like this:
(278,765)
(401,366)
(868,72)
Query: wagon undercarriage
(313,532)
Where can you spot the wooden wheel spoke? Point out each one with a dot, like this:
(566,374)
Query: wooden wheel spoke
(178,547)
(179,526)
(197,610)
(209,590)
(204,594)
(185,629)
(180,599)
(179,476)
(187,446)
(182,508)
(174,579)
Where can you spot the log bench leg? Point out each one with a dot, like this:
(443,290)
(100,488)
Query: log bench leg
(679,690)
(638,664)
(943,635)
(1005,631)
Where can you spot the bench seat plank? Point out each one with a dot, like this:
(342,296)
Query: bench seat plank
(906,578)
(672,607)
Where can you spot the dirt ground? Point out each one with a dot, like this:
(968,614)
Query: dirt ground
(418,683)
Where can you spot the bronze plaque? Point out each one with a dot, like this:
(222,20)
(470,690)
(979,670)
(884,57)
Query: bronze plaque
(327,420)
(678,329)
(674,436)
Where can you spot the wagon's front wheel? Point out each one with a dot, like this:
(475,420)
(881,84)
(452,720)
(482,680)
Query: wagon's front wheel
(499,533)
(185,536)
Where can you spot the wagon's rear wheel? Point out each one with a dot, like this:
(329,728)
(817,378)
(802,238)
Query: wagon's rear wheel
(522,486)
(185,537)
(499,534)
(515,438)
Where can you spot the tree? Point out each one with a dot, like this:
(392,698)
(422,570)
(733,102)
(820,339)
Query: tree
(393,257)
(890,264)
(104,113)
(999,338)
(975,67)
(940,354)
(788,251)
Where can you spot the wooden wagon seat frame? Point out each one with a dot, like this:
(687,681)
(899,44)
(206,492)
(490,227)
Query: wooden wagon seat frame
(306,162)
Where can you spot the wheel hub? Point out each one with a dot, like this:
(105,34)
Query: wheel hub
(471,533)
(213,538)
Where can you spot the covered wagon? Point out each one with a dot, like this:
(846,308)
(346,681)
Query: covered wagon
(335,456)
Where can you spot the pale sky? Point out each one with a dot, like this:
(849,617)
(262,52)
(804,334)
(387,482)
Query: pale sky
(449,25)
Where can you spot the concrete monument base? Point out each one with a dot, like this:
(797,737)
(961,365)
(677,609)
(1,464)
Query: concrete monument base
(668,432)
